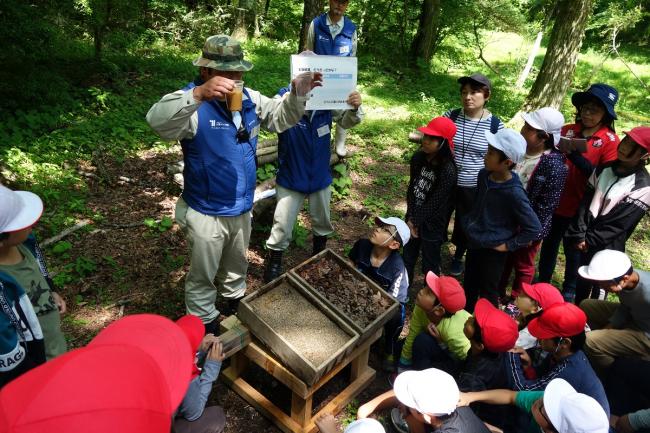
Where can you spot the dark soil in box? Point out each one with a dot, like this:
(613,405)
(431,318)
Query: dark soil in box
(312,334)
(342,288)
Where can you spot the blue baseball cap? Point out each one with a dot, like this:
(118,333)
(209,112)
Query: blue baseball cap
(604,93)
(510,142)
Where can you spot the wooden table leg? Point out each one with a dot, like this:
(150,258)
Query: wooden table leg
(359,364)
(238,363)
(301,409)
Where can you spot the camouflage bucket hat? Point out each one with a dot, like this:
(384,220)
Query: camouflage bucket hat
(223,53)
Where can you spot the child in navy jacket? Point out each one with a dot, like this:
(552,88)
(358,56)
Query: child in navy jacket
(543,173)
(501,219)
(379,259)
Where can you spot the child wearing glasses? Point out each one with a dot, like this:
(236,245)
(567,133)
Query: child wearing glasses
(379,259)
(594,125)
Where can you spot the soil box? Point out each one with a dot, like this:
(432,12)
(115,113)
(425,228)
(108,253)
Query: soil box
(356,298)
(305,333)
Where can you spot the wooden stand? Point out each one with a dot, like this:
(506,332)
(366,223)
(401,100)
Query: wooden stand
(301,419)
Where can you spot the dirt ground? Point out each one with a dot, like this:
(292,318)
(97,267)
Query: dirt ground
(141,268)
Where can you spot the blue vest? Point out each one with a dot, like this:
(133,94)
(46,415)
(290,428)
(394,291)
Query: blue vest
(339,46)
(304,153)
(220,170)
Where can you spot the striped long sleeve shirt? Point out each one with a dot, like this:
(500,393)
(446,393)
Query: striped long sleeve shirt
(470,146)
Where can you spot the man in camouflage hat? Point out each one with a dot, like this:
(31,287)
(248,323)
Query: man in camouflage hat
(219,148)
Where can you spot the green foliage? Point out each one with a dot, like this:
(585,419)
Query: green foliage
(341,182)
(78,269)
(299,234)
(628,19)
(62,248)
(266,172)
(163,225)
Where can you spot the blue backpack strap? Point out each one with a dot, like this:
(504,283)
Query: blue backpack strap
(494,124)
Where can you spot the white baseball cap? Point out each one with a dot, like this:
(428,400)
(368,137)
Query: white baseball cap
(546,119)
(431,391)
(510,142)
(365,425)
(572,412)
(18,209)
(402,228)
(606,265)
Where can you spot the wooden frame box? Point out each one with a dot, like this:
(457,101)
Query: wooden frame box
(373,326)
(287,352)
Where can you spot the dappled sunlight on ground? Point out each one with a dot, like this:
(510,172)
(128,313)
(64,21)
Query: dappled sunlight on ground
(400,112)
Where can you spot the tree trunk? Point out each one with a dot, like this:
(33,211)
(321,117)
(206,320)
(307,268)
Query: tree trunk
(313,8)
(561,55)
(97,38)
(423,45)
(531,58)
(240,30)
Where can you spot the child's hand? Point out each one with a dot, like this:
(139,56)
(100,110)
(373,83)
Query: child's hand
(581,246)
(433,331)
(501,248)
(525,357)
(623,425)
(216,352)
(326,423)
(207,342)
(60,303)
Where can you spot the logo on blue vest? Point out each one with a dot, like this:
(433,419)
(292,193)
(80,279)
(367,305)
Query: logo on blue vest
(215,124)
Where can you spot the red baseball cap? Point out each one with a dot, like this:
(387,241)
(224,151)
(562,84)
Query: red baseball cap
(545,294)
(440,127)
(641,136)
(498,331)
(561,320)
(101,389)
(162,339)
(448,290)
(194,330)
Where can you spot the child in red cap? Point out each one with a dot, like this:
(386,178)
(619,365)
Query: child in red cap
(436,337)
(529,304)
(561,332)
(431,186)
(192,415)
(491,333)
(617,198)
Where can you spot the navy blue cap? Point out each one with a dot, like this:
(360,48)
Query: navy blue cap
(604,93)
(476,79)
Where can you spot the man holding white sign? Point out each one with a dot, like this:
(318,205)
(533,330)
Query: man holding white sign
(334,34)
(304,172)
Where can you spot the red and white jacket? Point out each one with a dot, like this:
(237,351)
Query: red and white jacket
(611,208)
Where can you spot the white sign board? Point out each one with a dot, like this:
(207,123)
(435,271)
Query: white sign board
(339,80)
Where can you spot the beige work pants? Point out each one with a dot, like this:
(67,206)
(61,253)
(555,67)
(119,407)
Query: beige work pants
(603,346)
(288,206)
(218,247)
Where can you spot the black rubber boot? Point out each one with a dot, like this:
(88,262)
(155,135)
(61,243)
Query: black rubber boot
(273,266)
(320,243)
(212,327)
(233,304)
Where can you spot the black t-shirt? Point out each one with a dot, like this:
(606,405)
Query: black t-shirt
(461,421)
